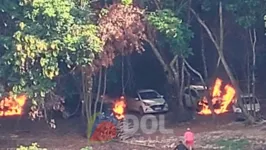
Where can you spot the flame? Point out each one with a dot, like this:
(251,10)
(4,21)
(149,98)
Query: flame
(119,108)
(12,106)
(222,99)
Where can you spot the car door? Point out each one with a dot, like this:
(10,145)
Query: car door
(132,102)
(190,97)
(137,102)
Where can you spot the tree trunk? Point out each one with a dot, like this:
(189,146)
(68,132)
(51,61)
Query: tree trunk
(203,55)
(83,87)
(181,90)
(248,73)
(177,79)
(204,83)
(170,74)
(173,79)
(227,68)
(219,48)
(165,66)
(104,88)
(98,90)
(253,41)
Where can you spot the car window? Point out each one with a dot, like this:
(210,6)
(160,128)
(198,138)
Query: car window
(248,100)
(194,93)
(201,93)
(186,91)
(148,95)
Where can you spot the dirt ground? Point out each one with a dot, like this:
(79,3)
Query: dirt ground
(68,135)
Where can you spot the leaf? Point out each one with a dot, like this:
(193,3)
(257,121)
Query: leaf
(42,94)
(43,62)
(34,102)
(21,25)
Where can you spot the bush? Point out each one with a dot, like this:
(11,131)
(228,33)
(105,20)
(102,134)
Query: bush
(33,146)
(86,148)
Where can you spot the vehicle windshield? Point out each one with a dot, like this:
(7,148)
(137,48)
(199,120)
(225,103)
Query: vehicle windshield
(248,100)
(201,93)
(148,95)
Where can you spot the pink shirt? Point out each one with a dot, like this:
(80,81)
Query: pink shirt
(189,136)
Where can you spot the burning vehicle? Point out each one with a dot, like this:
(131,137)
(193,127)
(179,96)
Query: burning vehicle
(222,98)
(193,94)
(109,123)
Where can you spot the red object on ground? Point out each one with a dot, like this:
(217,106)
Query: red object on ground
(105,131)
(189,138)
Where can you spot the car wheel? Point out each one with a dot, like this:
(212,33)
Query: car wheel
(239,117)
(141,112)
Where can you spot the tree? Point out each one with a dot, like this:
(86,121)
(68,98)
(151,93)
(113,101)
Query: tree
(177,34)
(248,14)
(45,35)
(219,47)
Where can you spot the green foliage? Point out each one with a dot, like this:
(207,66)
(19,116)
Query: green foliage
(127,2)
(86,148)
(90,123)
(208,5)
(33,146)
(233,144)
(247,12)
(48,31)
(176,32)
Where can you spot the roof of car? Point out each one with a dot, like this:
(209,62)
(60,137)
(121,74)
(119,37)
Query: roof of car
(198,87)
(146,90)
(246,95)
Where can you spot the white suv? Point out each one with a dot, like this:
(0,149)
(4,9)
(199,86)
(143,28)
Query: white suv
(248,104)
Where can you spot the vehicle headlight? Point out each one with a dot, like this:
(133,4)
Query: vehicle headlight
(146,104)
(238,110)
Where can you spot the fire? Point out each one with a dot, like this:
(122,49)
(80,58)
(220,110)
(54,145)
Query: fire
(220,99)
(11,106)
(119,108)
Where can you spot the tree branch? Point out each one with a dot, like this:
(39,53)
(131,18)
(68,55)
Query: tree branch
(195,71)
(172,63)
(158,55)
(206,28)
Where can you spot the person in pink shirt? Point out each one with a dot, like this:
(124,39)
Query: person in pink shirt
(189,139)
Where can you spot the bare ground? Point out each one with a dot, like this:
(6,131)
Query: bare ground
(67,135)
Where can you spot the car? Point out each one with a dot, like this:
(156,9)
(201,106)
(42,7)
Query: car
(249,104)
(147,101)
(193,94)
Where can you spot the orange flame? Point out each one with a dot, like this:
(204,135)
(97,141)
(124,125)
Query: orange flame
(12,106)
(223,101)
(119,108)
